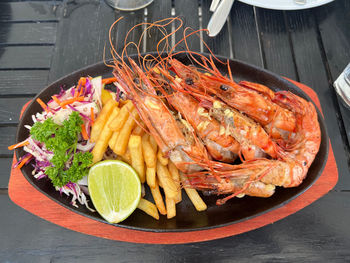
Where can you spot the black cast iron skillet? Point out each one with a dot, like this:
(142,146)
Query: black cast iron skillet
(187,218)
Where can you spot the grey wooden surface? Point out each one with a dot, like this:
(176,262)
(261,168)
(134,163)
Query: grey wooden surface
(41,41)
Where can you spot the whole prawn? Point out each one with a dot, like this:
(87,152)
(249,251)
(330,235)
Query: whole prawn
(250,138)
(220,145)
(158,119)
(289,171)
(278,121)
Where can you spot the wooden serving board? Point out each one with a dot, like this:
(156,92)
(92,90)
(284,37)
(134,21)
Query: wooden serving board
(22,193)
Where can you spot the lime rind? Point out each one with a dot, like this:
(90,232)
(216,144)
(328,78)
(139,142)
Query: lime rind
(115,189)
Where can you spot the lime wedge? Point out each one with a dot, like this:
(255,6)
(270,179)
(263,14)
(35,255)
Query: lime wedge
(115,189)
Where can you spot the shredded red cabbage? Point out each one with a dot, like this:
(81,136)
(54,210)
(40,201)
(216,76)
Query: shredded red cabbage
(24,156)
(87,87)
(81,114)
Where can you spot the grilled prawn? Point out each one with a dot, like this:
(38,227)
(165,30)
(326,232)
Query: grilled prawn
(158,119)
(219,123)
(257,177)
(278,121)
(220,145)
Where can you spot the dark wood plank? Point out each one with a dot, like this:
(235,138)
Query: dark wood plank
(81,36)
(333,21)
(22,82)
(188,11)
(5,164)
(244,35)
(7,137)
(312,72)
(156,11)
(10,109)
(219,44)
(277,52)
(27,33)
(121,30)
(320,236)
(29,11)
(24,57)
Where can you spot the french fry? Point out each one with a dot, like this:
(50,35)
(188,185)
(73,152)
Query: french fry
(196,200)
(126,157)
(113,140)
(113,115)
(160,184)
(158,199)
(123,102)
(165,178)
(153,142)
(106,95)
(163,160)
(138,130)
(102,119)
(124,134)
(148,153)
(149,208)
(151,176)
(170,207)
(137,162)
(118,122)
(103,140)
(176,177)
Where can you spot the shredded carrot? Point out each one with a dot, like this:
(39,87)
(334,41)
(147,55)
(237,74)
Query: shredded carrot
(17,145)
(24,161)
(56,100)
(109,80)
(84,133)
(81,91)
(82,81)
(70,101)
(76,93)
(43,105)
(92,115)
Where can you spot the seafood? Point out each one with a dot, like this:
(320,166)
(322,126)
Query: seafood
(289,171)
(220,145)
(159,119)
(254,140)
(277,132)
(237,180)
(257,177)
(249,137)
(278,122)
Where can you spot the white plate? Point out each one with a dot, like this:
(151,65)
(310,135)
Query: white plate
(285,4)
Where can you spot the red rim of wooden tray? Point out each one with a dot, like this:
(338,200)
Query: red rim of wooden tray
(22,193)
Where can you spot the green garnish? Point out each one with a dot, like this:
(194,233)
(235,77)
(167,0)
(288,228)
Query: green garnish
(62,141)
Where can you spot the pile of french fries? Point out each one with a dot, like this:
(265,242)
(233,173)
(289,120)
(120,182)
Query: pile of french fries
(118,126)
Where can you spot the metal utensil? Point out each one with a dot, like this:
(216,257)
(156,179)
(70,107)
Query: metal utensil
(342,85)
(214,5)
(128,5)
(219,17)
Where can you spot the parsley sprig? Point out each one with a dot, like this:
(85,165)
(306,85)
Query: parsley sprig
(67,165)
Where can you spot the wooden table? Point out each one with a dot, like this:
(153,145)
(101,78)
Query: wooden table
(41,41)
